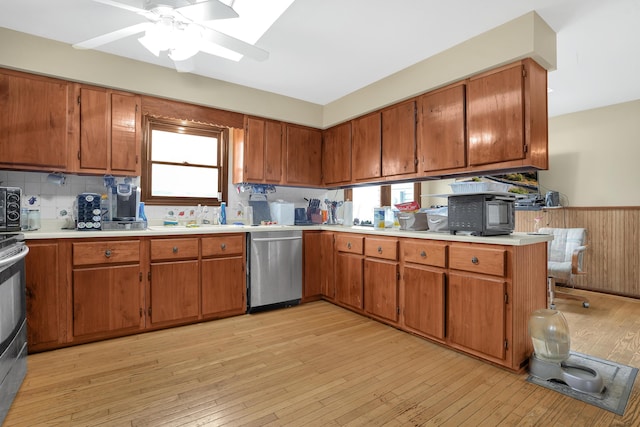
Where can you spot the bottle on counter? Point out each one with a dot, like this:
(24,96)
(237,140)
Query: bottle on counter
(223,213)
(105,208)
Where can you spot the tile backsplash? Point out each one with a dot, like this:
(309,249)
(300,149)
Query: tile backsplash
(55,202)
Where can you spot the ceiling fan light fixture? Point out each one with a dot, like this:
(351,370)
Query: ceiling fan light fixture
(186,42)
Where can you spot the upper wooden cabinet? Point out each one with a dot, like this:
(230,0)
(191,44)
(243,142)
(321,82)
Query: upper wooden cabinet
(336,154)
(303,156)
(262,151)
(34,122)
(441,129)
(399,139)
(384,143)
(507,117)
(109,131)
(366,146)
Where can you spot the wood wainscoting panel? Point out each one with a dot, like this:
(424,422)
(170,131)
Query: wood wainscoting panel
(612,261)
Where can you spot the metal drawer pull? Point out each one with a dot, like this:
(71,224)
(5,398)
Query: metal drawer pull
(175,249)
(423,254)
(348,245)
(379,249)
(107,253)
(223,246)
(474,260)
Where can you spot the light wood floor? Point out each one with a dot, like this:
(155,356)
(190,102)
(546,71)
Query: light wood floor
(315,364)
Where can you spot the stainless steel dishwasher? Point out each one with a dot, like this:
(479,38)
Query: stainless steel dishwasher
(275,269)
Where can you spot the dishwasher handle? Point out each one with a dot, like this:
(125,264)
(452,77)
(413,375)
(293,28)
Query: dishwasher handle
(275,239)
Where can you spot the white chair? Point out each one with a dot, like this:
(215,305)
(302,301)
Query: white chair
(565,258)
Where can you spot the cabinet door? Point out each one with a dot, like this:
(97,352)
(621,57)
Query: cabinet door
(125,134)
(423,302)
(303,156)
(263,150)
(312,286)
(476,314)
(33,122)
(106,300)
(441,129)
(399,139)
(94,108)
(495,116)
(327,271)
(254,149)
(223,286)
(41,266)
(349,277)
(381,288)
(273,152)
(366,145)
(336,154)
(174,292)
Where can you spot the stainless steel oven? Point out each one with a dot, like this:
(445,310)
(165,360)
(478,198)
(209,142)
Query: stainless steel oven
(13,323)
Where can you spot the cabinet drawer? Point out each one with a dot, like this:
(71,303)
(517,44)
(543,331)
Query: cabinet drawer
(167,249)
(351,244)
(424,252)
(381,248)
(107,252)
(223,245)
(478,260)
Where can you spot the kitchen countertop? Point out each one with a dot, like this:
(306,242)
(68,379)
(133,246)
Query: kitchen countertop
(53,232)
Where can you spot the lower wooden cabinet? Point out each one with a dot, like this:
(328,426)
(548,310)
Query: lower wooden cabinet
(106,300)
(424,300)
(476,311)
(349,265)
(83,290)
(173,295)
(472,297)
(223,276)
(44,300)
(381,278)
(106,289)
(312,265)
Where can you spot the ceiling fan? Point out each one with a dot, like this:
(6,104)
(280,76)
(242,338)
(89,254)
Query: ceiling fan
(180,28)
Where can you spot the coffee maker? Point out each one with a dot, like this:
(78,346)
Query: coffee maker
(123,202)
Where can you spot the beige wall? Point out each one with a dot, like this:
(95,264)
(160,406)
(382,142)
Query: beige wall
(594,156)
(527,36)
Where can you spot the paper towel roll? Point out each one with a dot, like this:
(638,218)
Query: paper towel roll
(347,213)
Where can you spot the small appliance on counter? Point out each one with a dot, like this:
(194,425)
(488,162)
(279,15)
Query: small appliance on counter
(482,214)
(123,208)
(282,213)
(10,208)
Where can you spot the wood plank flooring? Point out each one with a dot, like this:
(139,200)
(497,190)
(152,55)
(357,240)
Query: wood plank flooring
(312,365)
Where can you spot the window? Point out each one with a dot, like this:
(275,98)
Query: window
(401,193)
(185,163)
(366,198)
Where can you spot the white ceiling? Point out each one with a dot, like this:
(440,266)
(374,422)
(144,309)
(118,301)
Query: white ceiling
(321,50)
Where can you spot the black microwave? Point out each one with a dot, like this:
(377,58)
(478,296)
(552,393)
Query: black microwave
(10,208)
(482,214)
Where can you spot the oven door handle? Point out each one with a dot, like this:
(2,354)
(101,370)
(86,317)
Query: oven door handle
(15,258)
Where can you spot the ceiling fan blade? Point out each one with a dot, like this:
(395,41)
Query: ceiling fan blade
(138,10)
(207,11)
(113,36)
(211,36)
(185,66)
